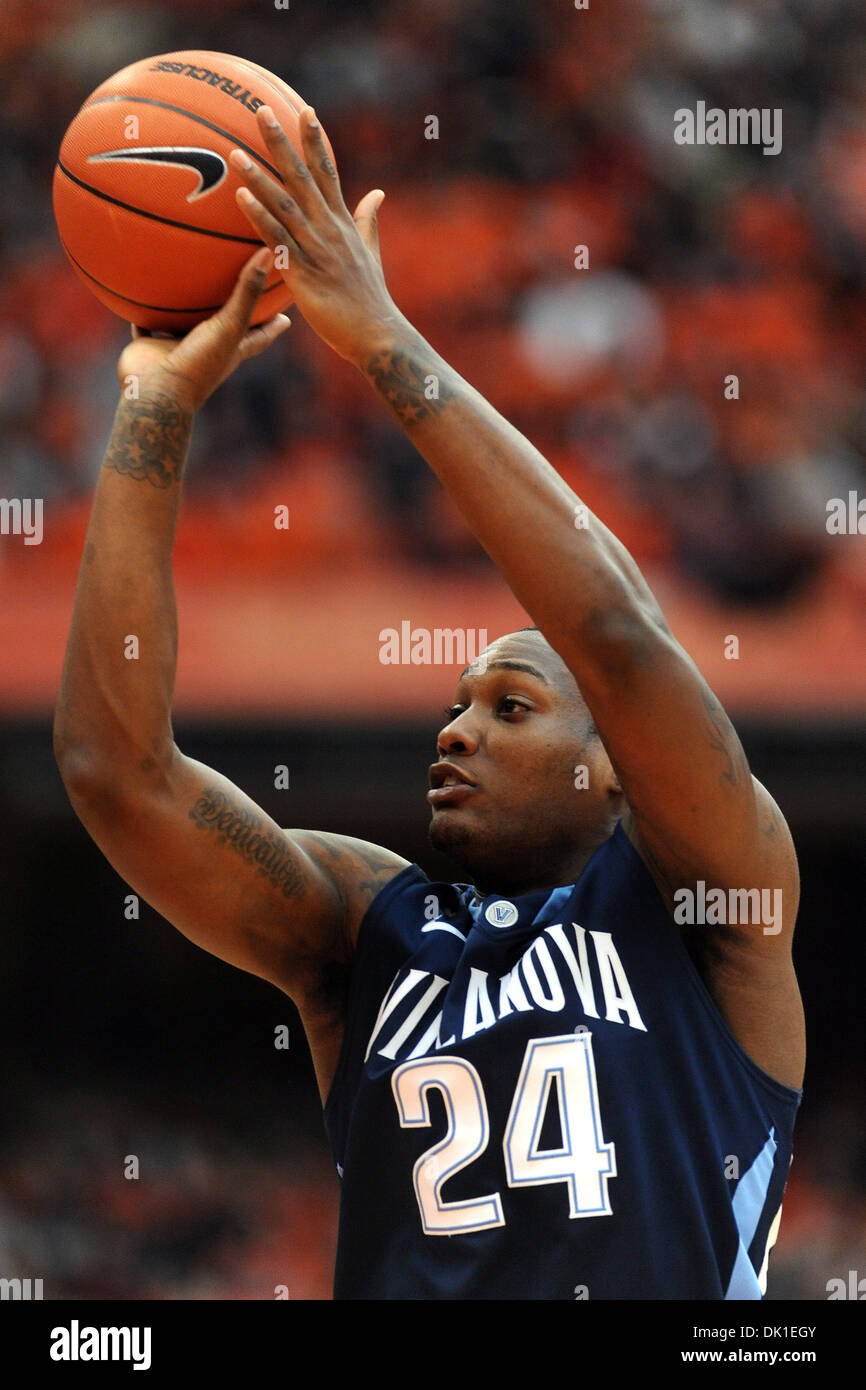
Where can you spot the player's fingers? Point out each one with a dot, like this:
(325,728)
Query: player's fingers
(291,167)
(272,231)
(271,194)
(261,337)
(367,221)
(238,308)
(320,163)
(151,333)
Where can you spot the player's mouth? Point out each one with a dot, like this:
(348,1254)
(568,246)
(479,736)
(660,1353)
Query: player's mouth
(448,784)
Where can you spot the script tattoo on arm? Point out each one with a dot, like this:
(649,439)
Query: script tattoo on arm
(403,383)
(249,836)
(150,440)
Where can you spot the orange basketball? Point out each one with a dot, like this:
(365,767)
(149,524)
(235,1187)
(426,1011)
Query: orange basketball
(144,195)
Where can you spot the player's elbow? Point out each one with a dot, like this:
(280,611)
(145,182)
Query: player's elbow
(75,761)
(102,782)
(88,779)
(79,760)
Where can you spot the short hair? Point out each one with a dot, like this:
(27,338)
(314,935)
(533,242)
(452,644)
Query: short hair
(591,730)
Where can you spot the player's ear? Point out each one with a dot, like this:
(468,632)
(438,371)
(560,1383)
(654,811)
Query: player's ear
(612,784)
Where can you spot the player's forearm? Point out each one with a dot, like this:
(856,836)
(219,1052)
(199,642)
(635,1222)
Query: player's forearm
(566,568)
(113,712)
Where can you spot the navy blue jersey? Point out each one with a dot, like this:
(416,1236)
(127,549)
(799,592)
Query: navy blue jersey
(537,1098)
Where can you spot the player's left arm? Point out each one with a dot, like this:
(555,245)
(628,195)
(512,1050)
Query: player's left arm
(696,813)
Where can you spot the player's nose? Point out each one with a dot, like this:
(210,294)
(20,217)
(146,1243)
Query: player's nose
(456,738)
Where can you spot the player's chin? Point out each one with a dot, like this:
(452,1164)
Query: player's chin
(449,831)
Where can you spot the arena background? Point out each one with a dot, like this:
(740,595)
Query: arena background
(555,129)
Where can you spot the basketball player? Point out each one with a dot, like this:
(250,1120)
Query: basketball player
(577,1077)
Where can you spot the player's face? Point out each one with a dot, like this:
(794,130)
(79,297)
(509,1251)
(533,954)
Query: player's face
(503,793)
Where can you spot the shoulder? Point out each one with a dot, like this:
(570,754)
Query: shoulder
(358,869)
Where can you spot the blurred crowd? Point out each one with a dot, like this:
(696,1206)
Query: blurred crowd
(212,1215)
(555,130)
(104,1197)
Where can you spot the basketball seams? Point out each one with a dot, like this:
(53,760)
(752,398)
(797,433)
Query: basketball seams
(196,57)
(155,216)
(143,253)
(158,308)
(234,141)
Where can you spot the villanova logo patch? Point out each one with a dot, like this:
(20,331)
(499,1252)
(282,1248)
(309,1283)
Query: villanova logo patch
(501,914)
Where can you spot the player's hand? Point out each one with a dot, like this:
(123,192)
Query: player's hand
(189,369)
(333,265)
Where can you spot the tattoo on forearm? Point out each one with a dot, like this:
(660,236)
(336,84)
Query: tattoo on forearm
(249,836)
(408,386)
(150,441)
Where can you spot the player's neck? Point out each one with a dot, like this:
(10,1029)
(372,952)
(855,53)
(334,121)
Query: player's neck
(537,879)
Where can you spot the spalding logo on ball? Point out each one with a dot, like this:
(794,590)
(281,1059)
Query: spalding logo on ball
(144,195)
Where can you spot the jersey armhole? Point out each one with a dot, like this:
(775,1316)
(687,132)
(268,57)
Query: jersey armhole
(363,944)
(777,1089)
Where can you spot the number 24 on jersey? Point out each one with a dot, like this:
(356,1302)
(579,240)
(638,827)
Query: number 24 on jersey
(583,1161)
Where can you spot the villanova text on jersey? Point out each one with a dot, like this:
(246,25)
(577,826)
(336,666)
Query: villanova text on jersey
(537,1098)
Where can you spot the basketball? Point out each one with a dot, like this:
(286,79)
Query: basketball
(144,195)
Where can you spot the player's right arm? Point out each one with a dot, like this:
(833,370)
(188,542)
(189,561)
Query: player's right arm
(282,905)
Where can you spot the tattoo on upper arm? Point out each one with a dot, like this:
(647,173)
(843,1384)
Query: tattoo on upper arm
(249,835)
(722,736)
(379,873)
(769,819)
(150,440)
(403,382)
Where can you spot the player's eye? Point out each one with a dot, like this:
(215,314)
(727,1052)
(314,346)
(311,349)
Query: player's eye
(452,711)
(513,706)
